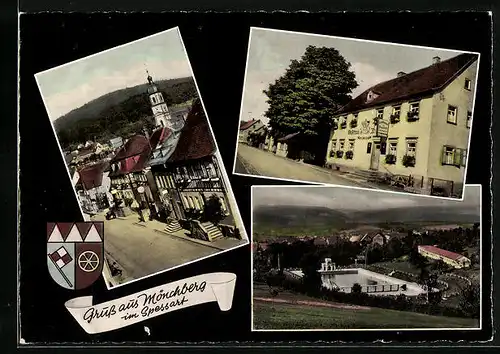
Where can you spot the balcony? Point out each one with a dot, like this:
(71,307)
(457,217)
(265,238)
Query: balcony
(412,116)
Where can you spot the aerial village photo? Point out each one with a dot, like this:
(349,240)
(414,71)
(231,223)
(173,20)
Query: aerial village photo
(337,258)
(341,111)
(141,156)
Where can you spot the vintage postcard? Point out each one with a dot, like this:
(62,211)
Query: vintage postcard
(333,258)
(142,158)
(351,112)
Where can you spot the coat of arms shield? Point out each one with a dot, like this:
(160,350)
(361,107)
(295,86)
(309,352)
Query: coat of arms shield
(75,253)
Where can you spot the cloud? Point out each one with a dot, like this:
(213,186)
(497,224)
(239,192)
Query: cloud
(61,103)
(367,76)
(355,199)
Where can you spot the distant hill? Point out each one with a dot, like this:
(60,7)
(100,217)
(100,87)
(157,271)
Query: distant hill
(318,221)
(124,113)
(175,91)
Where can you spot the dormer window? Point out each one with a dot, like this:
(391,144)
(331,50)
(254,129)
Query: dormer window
(371,96)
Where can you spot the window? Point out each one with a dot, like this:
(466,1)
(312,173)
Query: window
(469,118)
(380,113)
(452,115)
(411,147)
(343,122)
(448,153)
(393,148)
(191,202)
(186,203)
(342,143)
(351,145)
(396,110)
(158,182)
(369,148)
(467,84)
(414,106)
(453,156)
(414,111)
(211,169)
(334,144)
(197,203)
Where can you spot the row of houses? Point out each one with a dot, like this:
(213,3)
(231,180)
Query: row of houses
(172,171)
(417,124)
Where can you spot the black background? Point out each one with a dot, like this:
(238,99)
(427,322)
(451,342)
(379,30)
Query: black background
(216,45)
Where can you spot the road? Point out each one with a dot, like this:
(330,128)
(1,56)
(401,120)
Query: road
(141,251)
(253,161)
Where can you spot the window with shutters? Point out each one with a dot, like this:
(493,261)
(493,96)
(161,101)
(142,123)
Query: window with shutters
(452,115)
(454,156)
(369,148)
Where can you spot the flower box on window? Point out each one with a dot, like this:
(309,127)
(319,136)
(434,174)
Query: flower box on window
(343,125)
(395,118)
(332,153)
(390,159)
(340,153)
(335,126)
(349,154)
(412,116)
(354,123)
(408,161)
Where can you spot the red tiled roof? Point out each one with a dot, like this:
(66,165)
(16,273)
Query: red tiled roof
(91,176)
(440,252)
(136,145)
(248,124)
(417,83)
(159,136)
(196,139)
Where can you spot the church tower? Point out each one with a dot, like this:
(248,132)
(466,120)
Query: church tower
(160,110)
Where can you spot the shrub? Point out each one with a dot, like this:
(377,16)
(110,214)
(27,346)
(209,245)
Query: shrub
(390,159)
(408,161)
(340,153)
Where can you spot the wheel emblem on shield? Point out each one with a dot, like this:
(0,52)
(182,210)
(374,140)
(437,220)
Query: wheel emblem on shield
(75,253)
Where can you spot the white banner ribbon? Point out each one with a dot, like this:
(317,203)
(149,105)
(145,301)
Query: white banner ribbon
(153,302)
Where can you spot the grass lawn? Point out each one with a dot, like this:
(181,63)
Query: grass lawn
(268,315)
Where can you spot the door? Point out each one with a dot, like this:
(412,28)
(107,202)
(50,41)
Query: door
(375,158)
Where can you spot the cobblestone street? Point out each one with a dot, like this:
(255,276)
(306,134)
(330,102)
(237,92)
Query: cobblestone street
(141,250)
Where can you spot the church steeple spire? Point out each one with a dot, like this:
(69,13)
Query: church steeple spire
(159,107)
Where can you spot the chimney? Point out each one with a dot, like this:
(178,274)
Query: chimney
(436,60)
(401,73)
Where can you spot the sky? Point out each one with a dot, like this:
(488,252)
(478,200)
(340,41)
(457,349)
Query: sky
(71,85)
(270,53)
(356,199)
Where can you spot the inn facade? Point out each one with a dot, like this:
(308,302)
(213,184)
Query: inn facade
(416,126)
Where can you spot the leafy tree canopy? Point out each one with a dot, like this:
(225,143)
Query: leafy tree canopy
(307,96)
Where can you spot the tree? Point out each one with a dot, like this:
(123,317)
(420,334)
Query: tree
(356,288)
(308,95)
(213,211)
(311,280)
(470,298)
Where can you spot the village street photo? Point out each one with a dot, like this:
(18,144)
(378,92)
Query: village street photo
(334,258)
(141,156)
(351,112)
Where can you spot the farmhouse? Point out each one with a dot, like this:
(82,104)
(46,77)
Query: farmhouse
(417,124)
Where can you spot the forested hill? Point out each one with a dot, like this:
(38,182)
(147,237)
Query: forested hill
(120,112)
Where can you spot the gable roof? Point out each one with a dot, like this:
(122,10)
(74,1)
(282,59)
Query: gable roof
(136,145)
(195,139)
(440,252)
(417,83)
(91,176)
(244,125)
(288,137)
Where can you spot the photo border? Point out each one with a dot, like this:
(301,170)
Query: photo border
(481,319)
(225,177)
(307,34)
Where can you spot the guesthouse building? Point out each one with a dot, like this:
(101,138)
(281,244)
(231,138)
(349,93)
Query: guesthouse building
(451,258)
(416,126)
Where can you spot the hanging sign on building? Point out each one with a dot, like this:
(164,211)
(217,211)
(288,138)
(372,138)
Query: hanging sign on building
(364,129)
(382,129)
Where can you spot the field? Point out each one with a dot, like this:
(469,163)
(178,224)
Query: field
(291,311)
